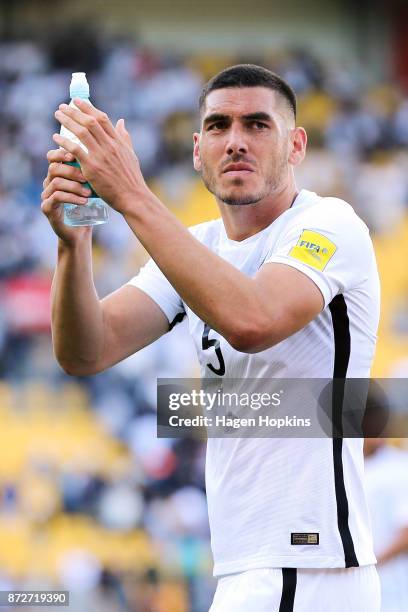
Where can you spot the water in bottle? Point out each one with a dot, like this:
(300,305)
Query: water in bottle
(95,211)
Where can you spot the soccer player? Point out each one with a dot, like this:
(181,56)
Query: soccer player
(284,284)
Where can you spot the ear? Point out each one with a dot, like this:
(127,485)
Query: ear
(297,144)
(196,152)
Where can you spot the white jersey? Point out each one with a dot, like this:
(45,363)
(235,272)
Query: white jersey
(266,496)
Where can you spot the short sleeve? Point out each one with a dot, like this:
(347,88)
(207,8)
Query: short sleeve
(152,281)
(330,244)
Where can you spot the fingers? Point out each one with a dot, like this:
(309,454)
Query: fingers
(77,151)
(83,124)
(59,155)
(123,133)
(68,186)
(51,204)
(87,130)
(101,117)
(58,169)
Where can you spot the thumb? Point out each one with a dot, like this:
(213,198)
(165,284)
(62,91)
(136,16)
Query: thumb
(122,132)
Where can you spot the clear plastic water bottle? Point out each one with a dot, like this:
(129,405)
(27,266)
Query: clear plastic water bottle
(95,211)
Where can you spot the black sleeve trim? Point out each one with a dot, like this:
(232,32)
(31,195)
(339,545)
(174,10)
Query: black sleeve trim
(177,319)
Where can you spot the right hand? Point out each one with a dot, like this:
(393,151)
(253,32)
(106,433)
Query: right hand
(63,184)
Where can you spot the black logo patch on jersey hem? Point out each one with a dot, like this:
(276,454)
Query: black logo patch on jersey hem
(301,539)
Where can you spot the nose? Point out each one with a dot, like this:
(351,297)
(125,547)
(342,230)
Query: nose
(236,142)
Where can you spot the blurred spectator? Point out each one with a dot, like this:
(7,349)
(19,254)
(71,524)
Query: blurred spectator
(381,192)
(386,469)
(354,129)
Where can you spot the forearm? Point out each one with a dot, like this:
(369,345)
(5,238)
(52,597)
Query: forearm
(216,291)
(77,322)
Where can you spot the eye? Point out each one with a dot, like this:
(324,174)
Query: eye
(259,125)
(219,125)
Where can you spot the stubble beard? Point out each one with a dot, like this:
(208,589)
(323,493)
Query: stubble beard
(272,184)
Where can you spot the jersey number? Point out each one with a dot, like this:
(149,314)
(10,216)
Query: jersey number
(206,344)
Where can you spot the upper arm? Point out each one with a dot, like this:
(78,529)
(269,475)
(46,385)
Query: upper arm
(289,299)
(326,253)
(131,321)
(137,314)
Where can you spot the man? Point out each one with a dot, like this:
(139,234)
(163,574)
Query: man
(386,476)
(283,285)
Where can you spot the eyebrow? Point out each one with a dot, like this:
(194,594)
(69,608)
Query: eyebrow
(258,116)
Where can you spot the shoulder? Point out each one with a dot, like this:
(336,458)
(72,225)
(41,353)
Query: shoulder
(335,213)
(333,217)
(342,209)
(330,226)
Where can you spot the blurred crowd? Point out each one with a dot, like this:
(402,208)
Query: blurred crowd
(91,500)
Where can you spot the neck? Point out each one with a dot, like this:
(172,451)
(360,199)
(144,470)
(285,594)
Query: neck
(244,221)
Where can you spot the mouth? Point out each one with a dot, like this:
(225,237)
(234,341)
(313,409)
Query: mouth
(238,169)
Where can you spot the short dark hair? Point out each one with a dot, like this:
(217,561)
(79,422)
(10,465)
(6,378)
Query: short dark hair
(249,75)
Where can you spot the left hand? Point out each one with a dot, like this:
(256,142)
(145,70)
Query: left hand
(111,165)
